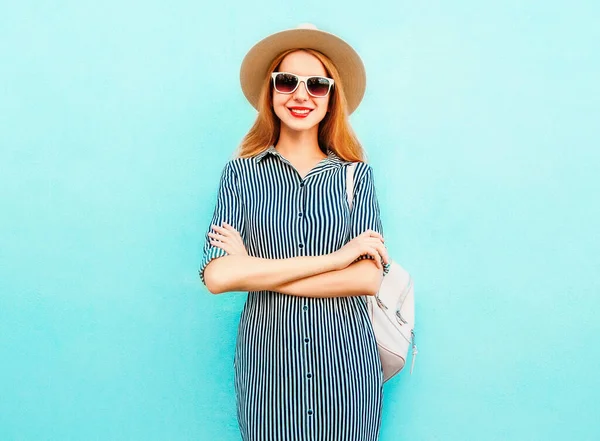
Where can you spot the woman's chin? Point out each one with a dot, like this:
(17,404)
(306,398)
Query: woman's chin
(300,125)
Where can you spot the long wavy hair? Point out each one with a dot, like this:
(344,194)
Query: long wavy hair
(335,132)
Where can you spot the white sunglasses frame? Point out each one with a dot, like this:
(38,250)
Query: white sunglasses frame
(302,79)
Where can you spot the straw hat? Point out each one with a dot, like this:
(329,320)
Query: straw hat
(306,36)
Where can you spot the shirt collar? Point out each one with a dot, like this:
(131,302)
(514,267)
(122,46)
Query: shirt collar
(332,157)
(270,150)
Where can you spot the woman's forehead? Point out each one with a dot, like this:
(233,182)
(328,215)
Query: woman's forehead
(302,63)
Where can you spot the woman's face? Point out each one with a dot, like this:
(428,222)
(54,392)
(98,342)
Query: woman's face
(292,108)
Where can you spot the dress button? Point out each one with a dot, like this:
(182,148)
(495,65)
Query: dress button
(301,184)
(310,412)
(300,246)
(300,214)
(305,307)
(306,340)
(308,375)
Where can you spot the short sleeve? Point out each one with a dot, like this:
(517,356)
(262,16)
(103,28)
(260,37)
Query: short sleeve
(365,214)
(227,209)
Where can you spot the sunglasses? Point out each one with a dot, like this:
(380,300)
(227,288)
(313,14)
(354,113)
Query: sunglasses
(316,86)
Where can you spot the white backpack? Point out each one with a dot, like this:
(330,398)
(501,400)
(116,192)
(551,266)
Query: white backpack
(392,311)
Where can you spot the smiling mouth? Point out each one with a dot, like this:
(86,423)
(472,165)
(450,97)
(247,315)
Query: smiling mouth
(299,113)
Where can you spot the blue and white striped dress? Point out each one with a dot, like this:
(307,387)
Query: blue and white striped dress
(306,369)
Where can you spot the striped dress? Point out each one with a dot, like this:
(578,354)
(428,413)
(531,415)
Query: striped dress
(306,369)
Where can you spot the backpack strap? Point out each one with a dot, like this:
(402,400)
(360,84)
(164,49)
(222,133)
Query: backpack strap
(350,183)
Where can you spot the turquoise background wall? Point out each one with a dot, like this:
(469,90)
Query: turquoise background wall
(481,121)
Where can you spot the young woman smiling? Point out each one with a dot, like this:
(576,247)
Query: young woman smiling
(306,362)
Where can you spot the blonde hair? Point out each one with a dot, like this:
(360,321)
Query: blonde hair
(335,132)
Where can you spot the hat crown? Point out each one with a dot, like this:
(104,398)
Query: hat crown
(306,26)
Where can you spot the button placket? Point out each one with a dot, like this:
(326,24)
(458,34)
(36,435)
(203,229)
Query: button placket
(301,218)
(307,310)
(306,371)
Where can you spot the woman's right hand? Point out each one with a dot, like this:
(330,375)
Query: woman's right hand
(369,243)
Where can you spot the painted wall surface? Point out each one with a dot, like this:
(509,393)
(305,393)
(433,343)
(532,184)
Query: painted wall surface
(481,121)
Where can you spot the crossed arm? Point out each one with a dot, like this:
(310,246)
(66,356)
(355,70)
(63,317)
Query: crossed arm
(331,275)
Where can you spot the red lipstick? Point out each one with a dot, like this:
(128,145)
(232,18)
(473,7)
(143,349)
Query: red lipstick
(299,112)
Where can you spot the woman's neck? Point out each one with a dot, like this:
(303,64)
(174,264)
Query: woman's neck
(301,146)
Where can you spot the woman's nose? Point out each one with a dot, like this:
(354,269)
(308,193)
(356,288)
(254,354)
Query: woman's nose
(301,93)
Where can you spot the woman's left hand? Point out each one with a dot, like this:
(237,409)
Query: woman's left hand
(228,239)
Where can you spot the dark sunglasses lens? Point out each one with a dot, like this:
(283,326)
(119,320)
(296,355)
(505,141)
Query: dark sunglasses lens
(285,83)
(318,86)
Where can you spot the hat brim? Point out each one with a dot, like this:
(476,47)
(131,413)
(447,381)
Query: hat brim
(346,60)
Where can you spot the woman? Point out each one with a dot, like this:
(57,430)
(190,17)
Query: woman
(306,361)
